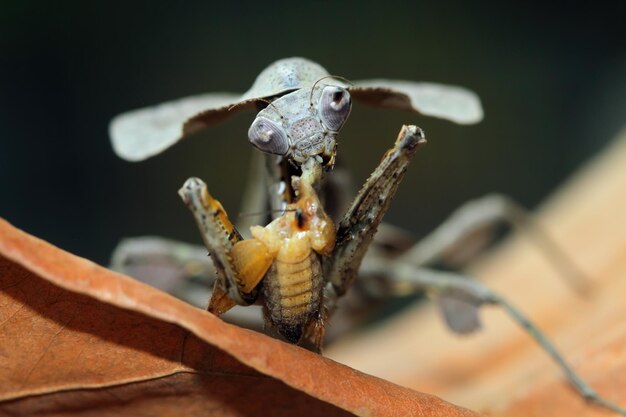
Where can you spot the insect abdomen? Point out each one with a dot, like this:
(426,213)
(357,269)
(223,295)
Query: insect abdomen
(292,292)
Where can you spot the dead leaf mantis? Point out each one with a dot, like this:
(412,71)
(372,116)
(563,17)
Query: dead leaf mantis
(302,109)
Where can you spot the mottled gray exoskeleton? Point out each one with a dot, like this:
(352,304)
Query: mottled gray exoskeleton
(303,123)
(287,83)
(302,108)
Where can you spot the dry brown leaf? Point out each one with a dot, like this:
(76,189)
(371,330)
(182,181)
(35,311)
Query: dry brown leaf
(77,338)
(500,368)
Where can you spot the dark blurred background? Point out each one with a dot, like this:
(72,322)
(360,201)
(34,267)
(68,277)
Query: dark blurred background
(552,78)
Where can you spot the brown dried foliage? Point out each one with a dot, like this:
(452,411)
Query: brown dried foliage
(76,338)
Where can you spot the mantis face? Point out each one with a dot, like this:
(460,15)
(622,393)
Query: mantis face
(303,123)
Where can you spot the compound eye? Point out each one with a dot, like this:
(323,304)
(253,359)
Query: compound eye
(335,105)
(268,137)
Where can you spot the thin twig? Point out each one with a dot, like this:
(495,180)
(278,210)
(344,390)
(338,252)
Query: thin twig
(577,382)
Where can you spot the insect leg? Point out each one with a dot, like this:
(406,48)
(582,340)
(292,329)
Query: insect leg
(219,236)
(179,268)
(405,278)
(471,227)
(466,232)
(356,229)
(162,263)
(255,204)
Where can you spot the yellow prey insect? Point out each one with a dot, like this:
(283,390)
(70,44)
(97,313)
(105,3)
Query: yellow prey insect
(290,262)
(285,254)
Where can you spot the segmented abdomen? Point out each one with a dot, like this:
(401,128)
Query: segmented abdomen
(292,291)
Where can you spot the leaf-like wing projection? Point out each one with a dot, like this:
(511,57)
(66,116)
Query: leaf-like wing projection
(139,134)
(448,102)
(285,75)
